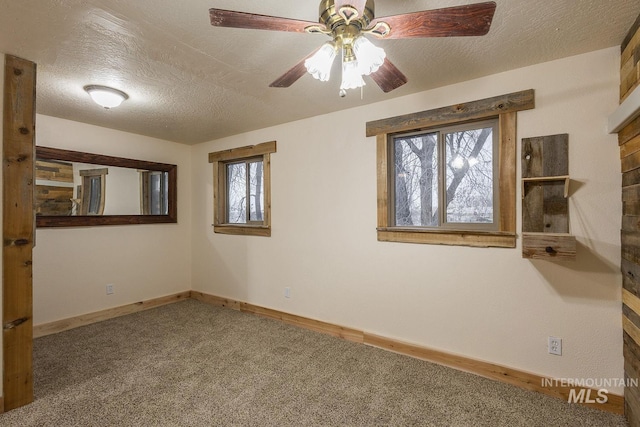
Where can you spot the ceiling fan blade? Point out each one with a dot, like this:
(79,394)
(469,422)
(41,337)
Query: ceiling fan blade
(252,21)
(388,77)
(469,20)
(294,74)
(355,4)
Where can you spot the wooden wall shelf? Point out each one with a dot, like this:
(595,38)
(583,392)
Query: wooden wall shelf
(545,192)
(558,246)
(547,179)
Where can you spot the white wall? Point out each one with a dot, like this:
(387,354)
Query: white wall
(122,192)
(72,266)
(487,304)
(122,188)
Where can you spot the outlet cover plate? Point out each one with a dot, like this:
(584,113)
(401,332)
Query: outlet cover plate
(555,346)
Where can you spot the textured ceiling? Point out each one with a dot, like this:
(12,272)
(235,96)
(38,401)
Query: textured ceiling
(190,82)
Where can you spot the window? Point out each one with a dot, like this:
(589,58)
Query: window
(445,177)
(245,192)
(242,193)
(91,193)
(448,176)
(154,188)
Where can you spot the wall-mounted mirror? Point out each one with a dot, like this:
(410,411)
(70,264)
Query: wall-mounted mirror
(83,189)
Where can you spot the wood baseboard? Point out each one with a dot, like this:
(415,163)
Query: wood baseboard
(314,325)
(110,313)
(214,300)
(522,379)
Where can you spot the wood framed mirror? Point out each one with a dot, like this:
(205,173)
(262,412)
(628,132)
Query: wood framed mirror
(77,189)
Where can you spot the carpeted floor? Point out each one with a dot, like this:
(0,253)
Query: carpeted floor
(191,364)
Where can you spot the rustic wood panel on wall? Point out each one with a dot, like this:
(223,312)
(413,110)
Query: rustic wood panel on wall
(630,62)
(545,208)
(54,187)
(629,140)
(18,230)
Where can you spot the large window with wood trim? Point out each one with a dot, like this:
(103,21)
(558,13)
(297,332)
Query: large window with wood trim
(242,190)
(448,176)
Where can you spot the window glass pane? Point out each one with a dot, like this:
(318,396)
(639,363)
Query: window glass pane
(469,177)
(256,191)
(154,194)
(416,180)
(95,190)
(236,193)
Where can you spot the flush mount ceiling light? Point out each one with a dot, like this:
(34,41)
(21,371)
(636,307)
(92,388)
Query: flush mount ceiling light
(347,22)
(105,96)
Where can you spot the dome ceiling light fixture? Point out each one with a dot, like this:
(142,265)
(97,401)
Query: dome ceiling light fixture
(105,96)
(349,23)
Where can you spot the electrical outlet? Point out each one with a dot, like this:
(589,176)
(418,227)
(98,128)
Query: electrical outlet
(287,292)
(109,289)
(555,346)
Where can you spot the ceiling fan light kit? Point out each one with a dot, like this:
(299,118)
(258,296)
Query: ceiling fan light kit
(351,77)
(370,57)
(319,65)
(347,22)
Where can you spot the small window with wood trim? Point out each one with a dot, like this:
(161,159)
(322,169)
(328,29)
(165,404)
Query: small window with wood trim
(154,187)
(242,190)
(91,192)
(448,176)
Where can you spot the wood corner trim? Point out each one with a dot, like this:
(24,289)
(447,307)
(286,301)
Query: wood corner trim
(215,300)
(18,142)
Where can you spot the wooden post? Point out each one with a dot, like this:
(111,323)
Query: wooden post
(18,230)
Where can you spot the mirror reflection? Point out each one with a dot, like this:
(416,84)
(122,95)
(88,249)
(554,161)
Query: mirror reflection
(74,188)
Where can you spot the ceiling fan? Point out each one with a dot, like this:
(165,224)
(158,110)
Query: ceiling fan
(348,22)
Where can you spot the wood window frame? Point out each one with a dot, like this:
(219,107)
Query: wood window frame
(86,193)
(220,159)
(145,193)
(505,108)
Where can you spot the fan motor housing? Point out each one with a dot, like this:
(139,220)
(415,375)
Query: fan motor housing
(330,17)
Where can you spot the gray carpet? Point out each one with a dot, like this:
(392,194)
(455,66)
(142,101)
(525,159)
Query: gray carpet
(191,364)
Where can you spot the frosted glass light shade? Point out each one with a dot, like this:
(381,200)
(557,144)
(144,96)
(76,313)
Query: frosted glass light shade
(370,57)
(351,77)
(106,97)
(319,65)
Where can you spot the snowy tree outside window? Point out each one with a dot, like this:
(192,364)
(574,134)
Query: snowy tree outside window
(446,177)
(242,190)
(245,192)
